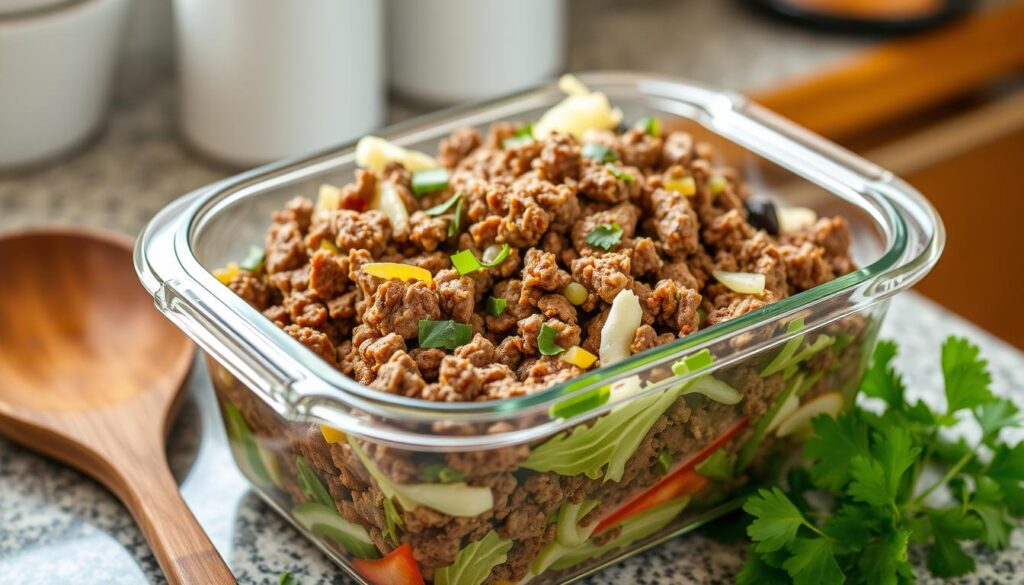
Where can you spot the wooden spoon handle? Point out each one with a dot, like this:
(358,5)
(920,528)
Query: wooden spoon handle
(181,546)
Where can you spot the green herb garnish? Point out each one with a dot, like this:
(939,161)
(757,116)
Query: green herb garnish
(523,134)
(599,152)
(650,125)
(496,306)
(465,262)
(546,341)
(717,467)
(253,261)
(605,235)
(618,174)
(429,181)
(447,334)
(286,578)
(866,470)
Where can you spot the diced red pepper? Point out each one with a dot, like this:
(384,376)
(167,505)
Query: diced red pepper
(679,482)
(397,568)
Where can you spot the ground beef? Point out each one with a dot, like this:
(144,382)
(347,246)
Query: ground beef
(285,247)
(624,215)
(675,222)
(456,295)
(368,230)
(316,341)
(328,274)
(541,273)
(399,306)
(559,159)
(604,276)
(253,289)
(428,232)
(600,183)
(457,146)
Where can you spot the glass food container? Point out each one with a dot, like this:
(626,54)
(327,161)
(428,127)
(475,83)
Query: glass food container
(551,486)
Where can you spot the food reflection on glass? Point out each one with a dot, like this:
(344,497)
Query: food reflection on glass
(510,263)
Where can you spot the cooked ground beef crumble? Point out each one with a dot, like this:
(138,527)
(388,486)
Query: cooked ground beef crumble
(544,199)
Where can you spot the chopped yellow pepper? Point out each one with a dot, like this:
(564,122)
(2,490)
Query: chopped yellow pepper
(228,273)
(328,245)
(332,435)
(685,186)
(329,197)
(579,357)
(400,271)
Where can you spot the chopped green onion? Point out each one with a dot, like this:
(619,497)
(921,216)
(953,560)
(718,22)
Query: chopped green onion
(614,170)
(581,403)
(524,134)
(599,152)
(253,261)
(496,306)
(438,473)
(393,521)
(444,207)
(453,224)
(575,293)
(447,334)
(664,461)
(650,125)
(717,467)
(546,341)
(465,262)
(286,578)
(605,235)
(429,181)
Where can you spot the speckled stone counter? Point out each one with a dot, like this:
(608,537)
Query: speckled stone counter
(58,527)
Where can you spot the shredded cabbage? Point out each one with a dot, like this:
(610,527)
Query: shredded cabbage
(454,499)
(475,561)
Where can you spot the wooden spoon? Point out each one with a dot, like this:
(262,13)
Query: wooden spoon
(90,374)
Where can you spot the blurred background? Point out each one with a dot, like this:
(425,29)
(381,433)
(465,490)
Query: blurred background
(110,109)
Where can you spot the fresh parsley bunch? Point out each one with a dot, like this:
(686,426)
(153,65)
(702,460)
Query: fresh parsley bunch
(875,484)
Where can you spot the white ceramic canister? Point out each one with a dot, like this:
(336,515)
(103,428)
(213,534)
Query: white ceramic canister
(446,51)
(267,79)
(57,68)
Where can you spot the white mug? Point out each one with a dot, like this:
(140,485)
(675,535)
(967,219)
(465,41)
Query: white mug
(445,51)
(267,79)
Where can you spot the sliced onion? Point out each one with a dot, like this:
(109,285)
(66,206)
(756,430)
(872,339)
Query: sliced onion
(794,219)
(785,411)
(714,389)
(454,499)
(830,403)
(581,111)
(375,153)
(329,197)
(388,200)
(617,334)
(750,283)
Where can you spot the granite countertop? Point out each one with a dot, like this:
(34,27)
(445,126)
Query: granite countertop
(57,526)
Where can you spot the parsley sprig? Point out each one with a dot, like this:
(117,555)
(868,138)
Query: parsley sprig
(863,500)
